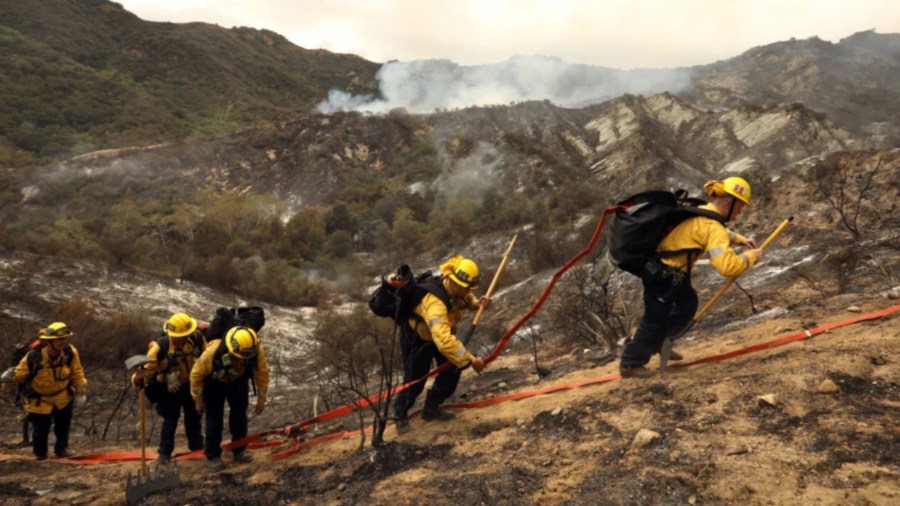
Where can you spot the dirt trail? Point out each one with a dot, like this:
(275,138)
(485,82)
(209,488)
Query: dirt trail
(717,441)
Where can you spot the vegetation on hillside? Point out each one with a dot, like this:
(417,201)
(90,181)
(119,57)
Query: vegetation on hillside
(87,75)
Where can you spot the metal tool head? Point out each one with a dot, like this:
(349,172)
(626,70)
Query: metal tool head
(162,478)
(664,353)
(136,361)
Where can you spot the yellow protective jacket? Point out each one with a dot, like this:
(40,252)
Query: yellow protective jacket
(184,358)
(206,366)
(708,236)
(55,383)
(438,324)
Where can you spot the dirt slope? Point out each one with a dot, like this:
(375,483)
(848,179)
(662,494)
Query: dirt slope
(717,443)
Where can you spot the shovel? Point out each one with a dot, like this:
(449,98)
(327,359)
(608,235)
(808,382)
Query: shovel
(490,291)
(147,481)
(666,349)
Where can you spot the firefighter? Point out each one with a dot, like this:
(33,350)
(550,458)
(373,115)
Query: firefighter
(430,337)
(54,384)
(670,301)
(223,373)
(166,381)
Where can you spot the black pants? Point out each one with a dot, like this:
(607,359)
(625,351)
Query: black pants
(215,393)
(61,420)
(169,407)
(418,355)
(668,308)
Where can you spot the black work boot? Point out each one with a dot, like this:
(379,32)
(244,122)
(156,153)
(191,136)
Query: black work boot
(636,372)
(437,413)
(402,424)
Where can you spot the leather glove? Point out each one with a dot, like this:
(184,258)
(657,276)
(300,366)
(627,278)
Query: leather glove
(260,405)
(173,382)
(137,379)
(80,400)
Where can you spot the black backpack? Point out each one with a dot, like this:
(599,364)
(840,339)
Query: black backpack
(18,353)
(22,349)
(253,317)
(402,291)
(644,220)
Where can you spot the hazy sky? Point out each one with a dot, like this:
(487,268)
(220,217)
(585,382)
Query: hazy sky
(614,33)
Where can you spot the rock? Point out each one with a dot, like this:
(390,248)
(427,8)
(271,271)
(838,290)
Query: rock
(341,487)
(502,384)
(643,438)
(828,387)
(854,309)
(893,293)
(556,411)
(770,399)
(692,500)
(521,422)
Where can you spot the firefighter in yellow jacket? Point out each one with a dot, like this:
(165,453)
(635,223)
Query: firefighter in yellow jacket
(670,301)
(222,373)
(431,336)
(166,381)
(54,383)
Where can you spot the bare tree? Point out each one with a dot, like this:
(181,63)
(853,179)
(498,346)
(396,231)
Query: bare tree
(845,187)
(594,307)
(356,356)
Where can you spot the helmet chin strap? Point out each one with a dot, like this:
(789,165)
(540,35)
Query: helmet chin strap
(730,210)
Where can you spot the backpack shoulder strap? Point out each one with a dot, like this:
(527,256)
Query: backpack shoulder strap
(163,343)
(68,354)
(435,286)
(33,359)
(218,364)
(198,341)
(696,211)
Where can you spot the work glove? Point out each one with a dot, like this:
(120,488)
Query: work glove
(478,365)
(200,406)
(260,405)
(80,400)
(137,379)
(173,382)
(9,374)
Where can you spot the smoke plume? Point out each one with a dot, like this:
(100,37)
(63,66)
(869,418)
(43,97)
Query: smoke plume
(423,86)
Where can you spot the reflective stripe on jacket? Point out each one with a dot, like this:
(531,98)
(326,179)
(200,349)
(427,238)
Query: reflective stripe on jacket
(439,325)
(52,381)
(708,236)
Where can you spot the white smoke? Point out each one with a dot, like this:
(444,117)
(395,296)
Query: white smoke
(423,86)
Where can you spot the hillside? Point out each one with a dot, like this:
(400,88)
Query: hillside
(718,442)
(85,75)
(850,81)
(812,421)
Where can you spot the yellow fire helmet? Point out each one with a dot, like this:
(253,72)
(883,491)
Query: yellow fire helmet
(180,325)
(242,342)
(56,330)
(462,271)
(737,187)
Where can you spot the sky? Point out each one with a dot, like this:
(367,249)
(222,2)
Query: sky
(622,34)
